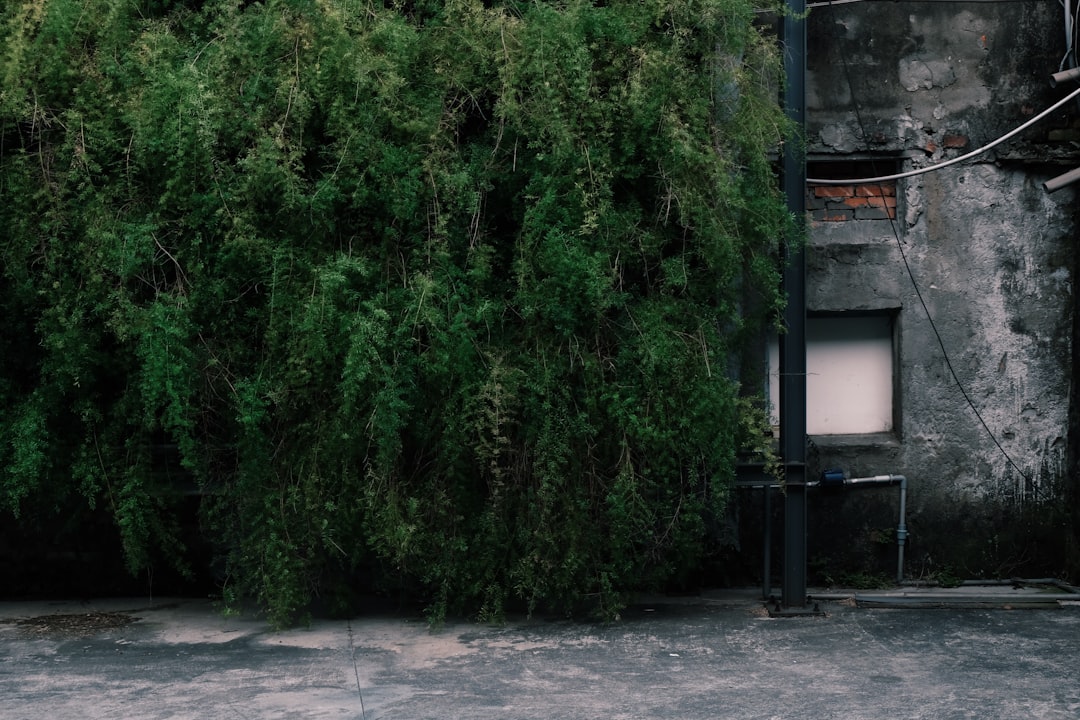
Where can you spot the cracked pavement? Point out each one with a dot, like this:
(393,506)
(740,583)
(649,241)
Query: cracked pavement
(716,657)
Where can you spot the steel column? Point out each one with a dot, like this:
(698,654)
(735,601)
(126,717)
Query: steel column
(793,340)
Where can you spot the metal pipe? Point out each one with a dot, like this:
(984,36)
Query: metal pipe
(1064,76)
(901,531)
(768,485)
(766,509)
(1062,180)
(901,528)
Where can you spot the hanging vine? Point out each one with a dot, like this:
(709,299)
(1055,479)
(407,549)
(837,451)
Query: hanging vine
(445,293)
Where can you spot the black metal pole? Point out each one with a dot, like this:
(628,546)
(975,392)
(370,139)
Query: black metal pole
(766,512)
(793,340)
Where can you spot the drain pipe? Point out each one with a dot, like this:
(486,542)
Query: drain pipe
(836,478)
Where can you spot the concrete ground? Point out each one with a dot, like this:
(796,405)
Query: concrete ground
(709,657)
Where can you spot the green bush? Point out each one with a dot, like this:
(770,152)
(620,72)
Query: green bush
(447,292)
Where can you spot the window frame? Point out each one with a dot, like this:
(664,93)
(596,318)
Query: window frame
(870,436)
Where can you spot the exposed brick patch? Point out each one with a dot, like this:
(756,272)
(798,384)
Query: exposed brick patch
(875,190)
(955,141)
(833,215)
(875,213)
(841,203)
(834,191)
(858,202)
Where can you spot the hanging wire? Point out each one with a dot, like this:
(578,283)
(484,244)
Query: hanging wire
(1029,481)
(1068,60)
(828,3)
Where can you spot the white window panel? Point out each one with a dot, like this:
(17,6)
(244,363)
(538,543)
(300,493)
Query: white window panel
(849,383)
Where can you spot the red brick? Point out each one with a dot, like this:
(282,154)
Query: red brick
(834,191)
(857,202)
(832,215)
(881,202)
(875,213)
(873,190)
(955,141)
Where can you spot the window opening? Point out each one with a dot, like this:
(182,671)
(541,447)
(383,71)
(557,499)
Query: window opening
(850,383)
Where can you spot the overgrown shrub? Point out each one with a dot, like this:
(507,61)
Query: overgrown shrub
(447,292)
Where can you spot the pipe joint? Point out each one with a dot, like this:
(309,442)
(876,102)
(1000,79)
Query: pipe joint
(1064,76)
(1055,184)
(876,480)
(835,477)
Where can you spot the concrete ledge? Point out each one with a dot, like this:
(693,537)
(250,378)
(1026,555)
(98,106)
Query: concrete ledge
(952,602)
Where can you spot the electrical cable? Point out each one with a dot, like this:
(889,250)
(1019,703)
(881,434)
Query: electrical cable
(920,171)
(1029,481)
(826,3)
(1068,34)
(829,3)
(1069,58)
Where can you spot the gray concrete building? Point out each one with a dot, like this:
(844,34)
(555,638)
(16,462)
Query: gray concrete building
(941,332)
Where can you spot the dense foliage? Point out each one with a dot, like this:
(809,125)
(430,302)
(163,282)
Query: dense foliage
(442,294)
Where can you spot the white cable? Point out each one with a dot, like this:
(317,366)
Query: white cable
(810,6)
(961,158)
(1068,27)
(828,3)
(1072,41)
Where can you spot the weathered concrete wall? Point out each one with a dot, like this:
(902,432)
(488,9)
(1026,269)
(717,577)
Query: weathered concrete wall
(993,256)
(925,76)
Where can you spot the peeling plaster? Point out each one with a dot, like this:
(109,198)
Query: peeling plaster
(839,138)
(918,74)
(991,253)
(912,204)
